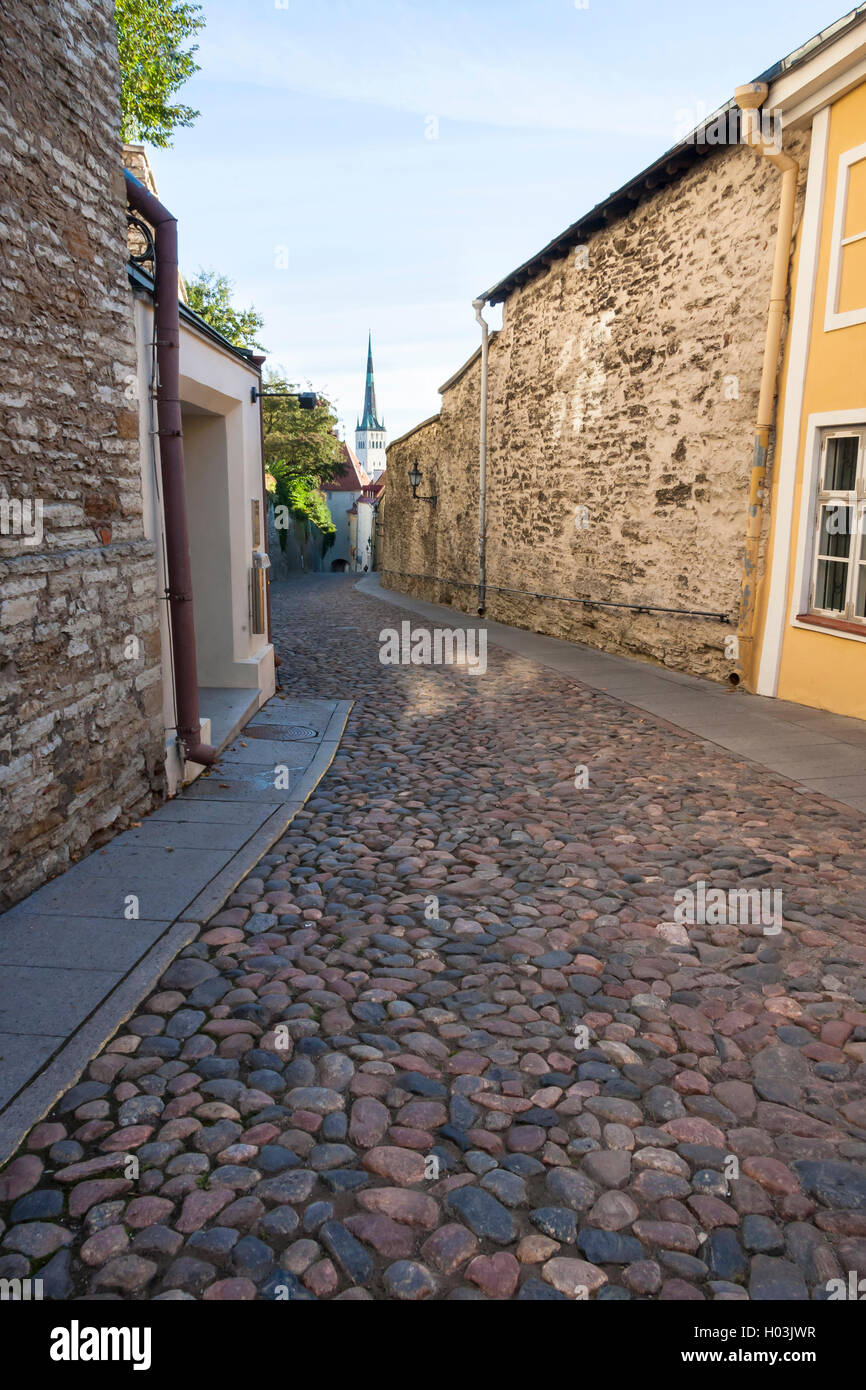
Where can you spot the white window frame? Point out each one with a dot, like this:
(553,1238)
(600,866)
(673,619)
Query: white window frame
(854,502)
(818,428)
(833,319)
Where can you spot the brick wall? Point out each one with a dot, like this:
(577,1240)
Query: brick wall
(80,698)
(624,381)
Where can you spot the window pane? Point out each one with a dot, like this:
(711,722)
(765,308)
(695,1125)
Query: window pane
(830,584)
(834,537)
(860,605)
(855,209)
(852,281)
(840,469)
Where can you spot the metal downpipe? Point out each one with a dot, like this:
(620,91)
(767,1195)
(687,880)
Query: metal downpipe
(749,99)
(478,306)
(170,431)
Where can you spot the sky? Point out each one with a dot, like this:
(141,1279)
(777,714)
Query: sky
(374,165)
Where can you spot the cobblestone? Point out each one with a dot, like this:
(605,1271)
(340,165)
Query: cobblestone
(456,1058)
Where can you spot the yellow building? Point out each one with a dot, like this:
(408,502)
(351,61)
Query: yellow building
(811,604)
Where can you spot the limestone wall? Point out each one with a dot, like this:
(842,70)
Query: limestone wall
(80,685)
(623,392)
(303,553)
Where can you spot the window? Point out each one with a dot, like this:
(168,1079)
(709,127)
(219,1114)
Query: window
(846,289)
(839,572)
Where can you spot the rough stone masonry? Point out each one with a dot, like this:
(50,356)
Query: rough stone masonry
(622,398)
(80,725)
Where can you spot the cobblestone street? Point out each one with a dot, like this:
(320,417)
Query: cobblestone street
(436,1045)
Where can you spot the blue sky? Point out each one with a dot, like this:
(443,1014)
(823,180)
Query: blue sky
(375,164)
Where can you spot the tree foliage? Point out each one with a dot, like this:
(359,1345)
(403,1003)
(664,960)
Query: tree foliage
(303,442)
(210,295)
(301,498)
(154,64)
(302,452)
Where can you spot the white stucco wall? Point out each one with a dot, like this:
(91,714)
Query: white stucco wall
(364,541)
(223,471)
(340,504)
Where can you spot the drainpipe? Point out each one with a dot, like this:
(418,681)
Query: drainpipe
(170,431)
(749,99)
(478,306)
(259,363)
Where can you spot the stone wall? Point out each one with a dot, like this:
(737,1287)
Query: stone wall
(622,398)
(81,744)
(303,553)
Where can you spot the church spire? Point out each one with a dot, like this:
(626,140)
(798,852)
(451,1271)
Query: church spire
(370,445)
(370,420)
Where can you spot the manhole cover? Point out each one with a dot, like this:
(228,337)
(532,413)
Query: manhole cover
(283,733)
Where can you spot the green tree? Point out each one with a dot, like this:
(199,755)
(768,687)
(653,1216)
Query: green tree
(302,452)
(154,64)
(301,498)
(303,442)
(210,295)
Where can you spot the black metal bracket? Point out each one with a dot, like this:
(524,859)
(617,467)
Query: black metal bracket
(307,400)
(149,252)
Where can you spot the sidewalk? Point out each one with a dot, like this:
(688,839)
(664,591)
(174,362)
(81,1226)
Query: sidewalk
(814,750)
(73,965)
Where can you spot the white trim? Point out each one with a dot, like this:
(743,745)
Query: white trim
(836,497)
(786,457)
(832,318)
(828,419)
(798,111)
(832,72)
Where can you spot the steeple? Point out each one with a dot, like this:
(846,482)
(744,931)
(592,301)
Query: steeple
(370,440)
(370,419)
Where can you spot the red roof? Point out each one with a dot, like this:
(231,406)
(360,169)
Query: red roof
(372,492)
(353,478)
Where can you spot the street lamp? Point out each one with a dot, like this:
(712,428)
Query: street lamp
(307,400)
(415,483)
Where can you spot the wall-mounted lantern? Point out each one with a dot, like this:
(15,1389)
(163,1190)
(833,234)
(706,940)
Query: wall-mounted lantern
(415,483)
